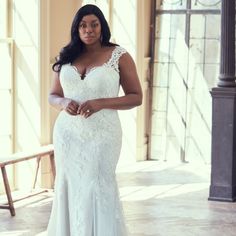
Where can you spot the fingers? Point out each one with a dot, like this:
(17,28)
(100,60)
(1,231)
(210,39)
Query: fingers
(72,108)
(73,105)
(87,114)
(85,110)
(71,111)
(82,108)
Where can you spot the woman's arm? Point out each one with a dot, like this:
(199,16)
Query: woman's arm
(57,100)
(130,84)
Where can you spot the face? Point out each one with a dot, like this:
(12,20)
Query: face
(90,30)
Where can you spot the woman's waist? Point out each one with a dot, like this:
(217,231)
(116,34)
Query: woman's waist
(103,117)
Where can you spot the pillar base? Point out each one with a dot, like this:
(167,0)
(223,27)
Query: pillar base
(223,163)
(227,83)
(223,194)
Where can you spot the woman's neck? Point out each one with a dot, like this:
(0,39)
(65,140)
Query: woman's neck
(93,47)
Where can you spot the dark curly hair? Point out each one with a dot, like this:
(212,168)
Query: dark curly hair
(74,48)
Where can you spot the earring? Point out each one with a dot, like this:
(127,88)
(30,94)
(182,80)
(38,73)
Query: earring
(101,38)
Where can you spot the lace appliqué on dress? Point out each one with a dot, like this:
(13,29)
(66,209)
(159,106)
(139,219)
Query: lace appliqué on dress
(114,60)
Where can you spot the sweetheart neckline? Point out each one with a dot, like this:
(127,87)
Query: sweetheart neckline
(82,76)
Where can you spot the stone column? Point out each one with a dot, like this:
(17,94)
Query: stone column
(223,170)
(227,66)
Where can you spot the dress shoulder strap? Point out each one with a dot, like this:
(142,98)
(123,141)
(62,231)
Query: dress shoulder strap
(114,60)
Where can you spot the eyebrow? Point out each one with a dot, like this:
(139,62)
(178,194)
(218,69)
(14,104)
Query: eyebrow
(86,21)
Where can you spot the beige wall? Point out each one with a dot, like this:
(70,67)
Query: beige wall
(61,15)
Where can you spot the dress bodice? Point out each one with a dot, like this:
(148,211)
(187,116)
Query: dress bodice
(100,82)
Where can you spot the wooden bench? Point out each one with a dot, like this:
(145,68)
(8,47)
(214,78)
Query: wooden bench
(38,153)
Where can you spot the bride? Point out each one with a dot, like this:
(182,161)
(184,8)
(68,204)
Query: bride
(87,133)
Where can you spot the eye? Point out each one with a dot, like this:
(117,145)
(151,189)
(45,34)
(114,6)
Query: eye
(82,26)
(94,25)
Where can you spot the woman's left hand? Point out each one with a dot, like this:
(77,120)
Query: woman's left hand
(89,107)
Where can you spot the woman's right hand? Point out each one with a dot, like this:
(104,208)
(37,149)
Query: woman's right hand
(70,106)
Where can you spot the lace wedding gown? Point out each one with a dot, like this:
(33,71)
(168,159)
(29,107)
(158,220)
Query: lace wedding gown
(86,201)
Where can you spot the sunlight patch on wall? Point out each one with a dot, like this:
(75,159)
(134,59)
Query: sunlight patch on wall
(26,22)
(27,82)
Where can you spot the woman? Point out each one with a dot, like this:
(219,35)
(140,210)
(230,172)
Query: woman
(87,133)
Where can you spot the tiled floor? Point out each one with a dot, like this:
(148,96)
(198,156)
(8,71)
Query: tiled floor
(159,199)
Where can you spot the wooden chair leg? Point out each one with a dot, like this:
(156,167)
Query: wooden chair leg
(8,191)
(37,171)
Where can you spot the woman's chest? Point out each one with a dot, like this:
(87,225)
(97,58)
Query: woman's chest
(100,80)
(86,63)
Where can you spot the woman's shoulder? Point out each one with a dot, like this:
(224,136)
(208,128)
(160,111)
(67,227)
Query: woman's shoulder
(117,51)
(125,57)
(120,49)
(115,48)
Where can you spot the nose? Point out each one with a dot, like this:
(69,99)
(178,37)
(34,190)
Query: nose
(89,29)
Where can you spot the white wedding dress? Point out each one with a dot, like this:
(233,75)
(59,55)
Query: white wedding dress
(86,201)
